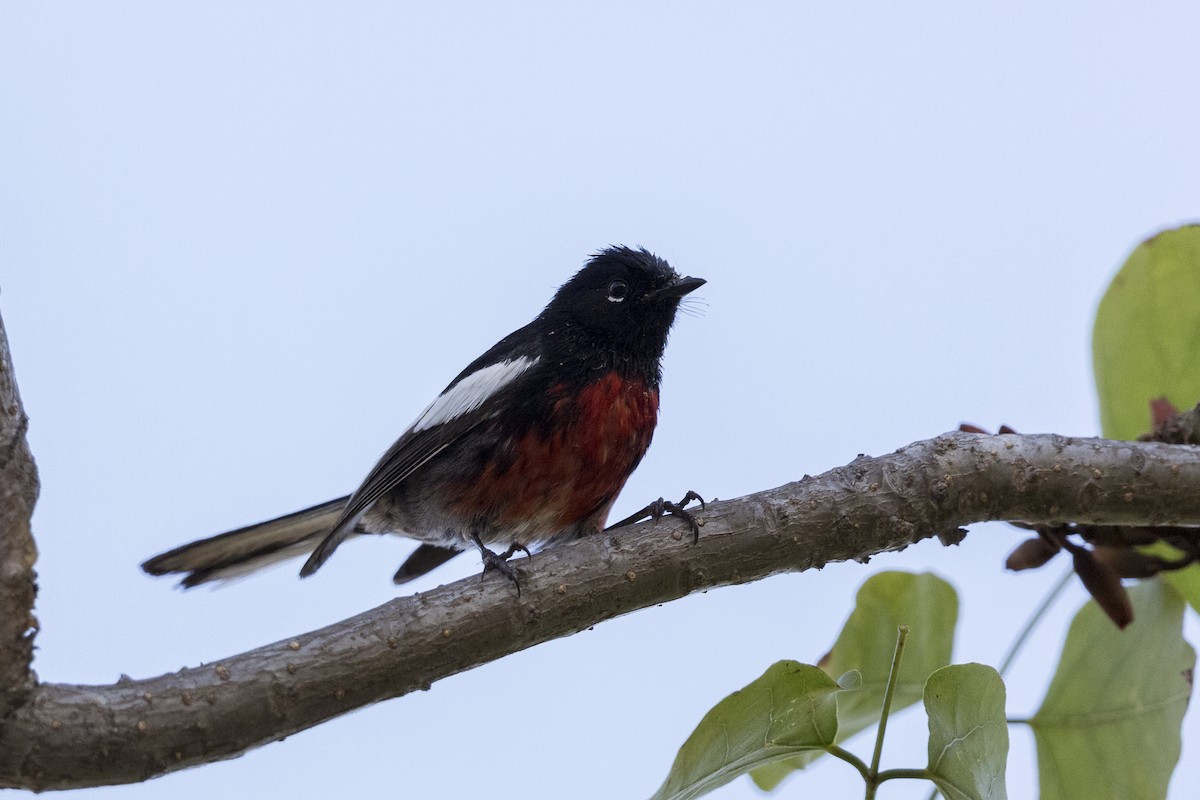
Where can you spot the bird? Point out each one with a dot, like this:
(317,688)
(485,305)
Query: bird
(528,446)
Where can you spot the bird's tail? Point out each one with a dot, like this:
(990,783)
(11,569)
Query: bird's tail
(235,553)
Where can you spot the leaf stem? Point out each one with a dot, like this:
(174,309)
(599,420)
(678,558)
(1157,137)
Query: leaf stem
(872,775)
(849,758)
(920,774)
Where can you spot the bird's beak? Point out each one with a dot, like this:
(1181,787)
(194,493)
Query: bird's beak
(677,288)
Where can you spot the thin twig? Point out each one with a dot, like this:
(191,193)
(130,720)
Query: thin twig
(888,693)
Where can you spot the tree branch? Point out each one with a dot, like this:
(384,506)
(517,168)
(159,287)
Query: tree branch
(18,493)
(72,736)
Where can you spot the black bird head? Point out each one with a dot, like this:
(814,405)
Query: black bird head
(622,301)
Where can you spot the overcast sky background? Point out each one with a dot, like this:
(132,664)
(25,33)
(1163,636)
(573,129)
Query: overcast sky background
(242,245)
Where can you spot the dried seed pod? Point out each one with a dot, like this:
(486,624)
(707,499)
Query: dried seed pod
(1030,554)
(1121,534)
(1127,562)
(1104,585)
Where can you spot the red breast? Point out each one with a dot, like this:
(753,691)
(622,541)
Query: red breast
(572,469)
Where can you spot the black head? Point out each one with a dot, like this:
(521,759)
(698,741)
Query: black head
(623,301)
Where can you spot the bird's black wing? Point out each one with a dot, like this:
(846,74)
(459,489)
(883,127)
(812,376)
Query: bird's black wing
(478,394)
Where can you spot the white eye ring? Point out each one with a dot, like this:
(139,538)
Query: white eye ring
(617,291)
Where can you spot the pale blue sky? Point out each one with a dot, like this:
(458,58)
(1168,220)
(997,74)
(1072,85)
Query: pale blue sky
(242,245)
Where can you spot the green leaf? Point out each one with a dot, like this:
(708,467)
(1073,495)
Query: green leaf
(925,603)
(792,708)
(1109,726)
(1185,581)
(1146,342)
(968,732)
(771,775)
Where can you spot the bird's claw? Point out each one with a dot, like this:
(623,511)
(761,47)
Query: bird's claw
(498,562)
(661,507)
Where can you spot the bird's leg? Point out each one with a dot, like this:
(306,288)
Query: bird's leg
(660,507)
(499,561)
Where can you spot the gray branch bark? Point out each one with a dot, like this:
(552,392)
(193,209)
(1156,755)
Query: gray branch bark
(18,493)
(72,736)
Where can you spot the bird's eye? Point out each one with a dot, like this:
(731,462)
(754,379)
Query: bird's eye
(617,291)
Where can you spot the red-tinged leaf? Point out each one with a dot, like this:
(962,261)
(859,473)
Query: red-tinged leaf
(1161,410)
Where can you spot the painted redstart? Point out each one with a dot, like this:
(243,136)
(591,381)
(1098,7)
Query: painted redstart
(529,445)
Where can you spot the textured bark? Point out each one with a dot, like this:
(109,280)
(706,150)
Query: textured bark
(71,736)
(18,493)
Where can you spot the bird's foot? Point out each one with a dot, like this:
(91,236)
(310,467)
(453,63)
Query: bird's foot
(660,508)
(498,562)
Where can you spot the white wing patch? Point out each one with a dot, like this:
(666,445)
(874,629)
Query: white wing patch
(471,392)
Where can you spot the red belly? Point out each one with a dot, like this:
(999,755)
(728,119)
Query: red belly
(572,474)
